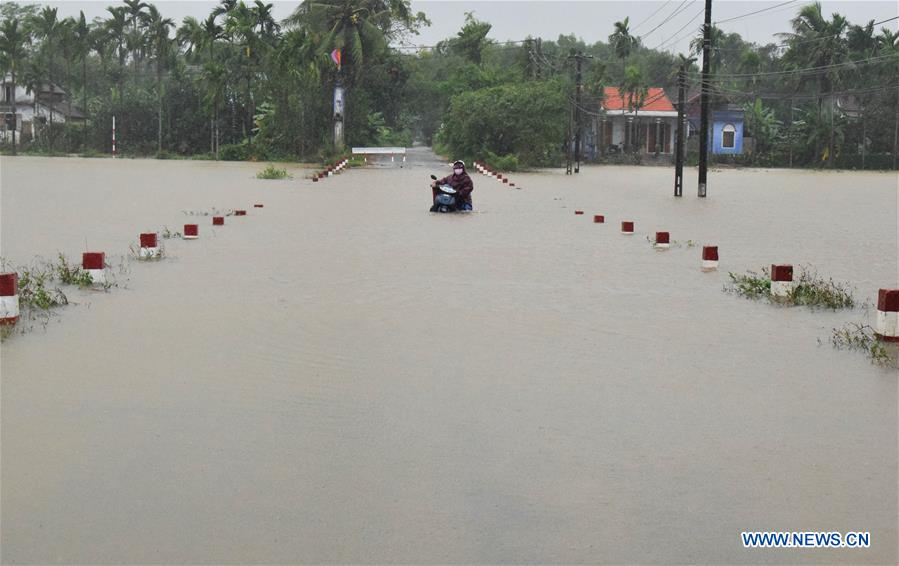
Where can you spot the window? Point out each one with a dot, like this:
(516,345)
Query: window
(728,136)
(7,93)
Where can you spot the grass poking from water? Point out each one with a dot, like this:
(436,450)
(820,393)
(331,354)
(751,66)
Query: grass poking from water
(810,289)
(861,337)
(272,172)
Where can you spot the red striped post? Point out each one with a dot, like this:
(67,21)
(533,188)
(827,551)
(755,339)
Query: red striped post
(781,280)
(149,246)
(9,298)
(599,219)
(94,263)
(218,220)
(627,228)
(240,213)
(663,241)
(887,326)
(257,205)
(191,231)
(709,258)
(578,212)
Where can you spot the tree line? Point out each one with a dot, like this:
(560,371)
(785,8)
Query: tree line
(239,84)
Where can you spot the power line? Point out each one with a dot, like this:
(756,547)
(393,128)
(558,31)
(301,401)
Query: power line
(681,7)
(755,12)
(674,41)
(808,70)
(665,3)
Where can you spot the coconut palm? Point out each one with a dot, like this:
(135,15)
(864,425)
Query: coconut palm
(112,38)
(634,91)
(818,42)
(46,26)
(623,42)
(13,50)
(160,45)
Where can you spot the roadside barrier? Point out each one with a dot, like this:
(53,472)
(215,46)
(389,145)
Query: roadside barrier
(9,298)
(887,325)
(218,220)
(663,241)
(191,231)
(599,219)
(781,280)
(578,212)
(709,258)
(240,213)
(95,263)
(627,228)
(149,246)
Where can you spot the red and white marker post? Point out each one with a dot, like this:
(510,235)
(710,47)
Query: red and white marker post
(887,325)
(781,280)
(95,265)
(9,298)
(579,212)
(627,228)
(149,245)
(663,241)
(113,137)
(218,220)
(709,258)
(240,213)
(191,231)
(599,219)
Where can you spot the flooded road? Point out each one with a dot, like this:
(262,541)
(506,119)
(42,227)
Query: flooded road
(342,377)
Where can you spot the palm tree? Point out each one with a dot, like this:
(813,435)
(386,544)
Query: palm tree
(213,81)
(82,40)
(114,33)
(160,43)
(136,17)
(818,42)
(46,26)
(240,27)
(13,42)
(634,91)
(348,25)
(716,38)
(622,42)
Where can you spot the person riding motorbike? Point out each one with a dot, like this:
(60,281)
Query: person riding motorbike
(460,182)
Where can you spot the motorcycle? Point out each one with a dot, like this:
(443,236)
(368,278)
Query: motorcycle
(445,201)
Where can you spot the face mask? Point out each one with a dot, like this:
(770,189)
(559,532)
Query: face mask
(458,171)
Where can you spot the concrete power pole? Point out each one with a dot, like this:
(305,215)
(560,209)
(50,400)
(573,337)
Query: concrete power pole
(704,100)
(679,143)
(578,58)
(339,114)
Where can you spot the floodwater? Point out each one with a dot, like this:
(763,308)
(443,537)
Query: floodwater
(342,377)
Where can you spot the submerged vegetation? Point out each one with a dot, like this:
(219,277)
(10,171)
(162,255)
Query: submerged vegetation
(810,289)
(861,337)
(272,172)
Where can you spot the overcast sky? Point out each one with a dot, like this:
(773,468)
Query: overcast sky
(590,20)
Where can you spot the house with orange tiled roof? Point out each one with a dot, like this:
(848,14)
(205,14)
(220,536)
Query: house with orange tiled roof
(630,126)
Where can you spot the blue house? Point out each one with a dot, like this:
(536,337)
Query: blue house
(727,126)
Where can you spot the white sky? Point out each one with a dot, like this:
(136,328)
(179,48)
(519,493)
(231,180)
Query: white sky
(590,20)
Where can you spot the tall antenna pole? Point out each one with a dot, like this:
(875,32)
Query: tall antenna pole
(704,100)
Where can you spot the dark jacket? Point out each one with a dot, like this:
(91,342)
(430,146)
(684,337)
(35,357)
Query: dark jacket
(463,185)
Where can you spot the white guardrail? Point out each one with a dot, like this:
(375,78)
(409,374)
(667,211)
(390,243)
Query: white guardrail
(391,151)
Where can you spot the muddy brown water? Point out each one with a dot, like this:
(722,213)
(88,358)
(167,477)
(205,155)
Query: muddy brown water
(342,377)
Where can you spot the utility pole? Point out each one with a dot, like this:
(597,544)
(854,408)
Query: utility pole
(568,141)
(704,100)
(679,142)
(578,58)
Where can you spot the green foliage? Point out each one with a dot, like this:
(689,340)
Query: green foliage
(810,289)
(527,120)
(34,289)
(861,337)
(70,274)
(501,163)
(272,172)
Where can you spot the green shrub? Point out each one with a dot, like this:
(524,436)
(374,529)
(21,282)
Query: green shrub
(504,163)
(272,172)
